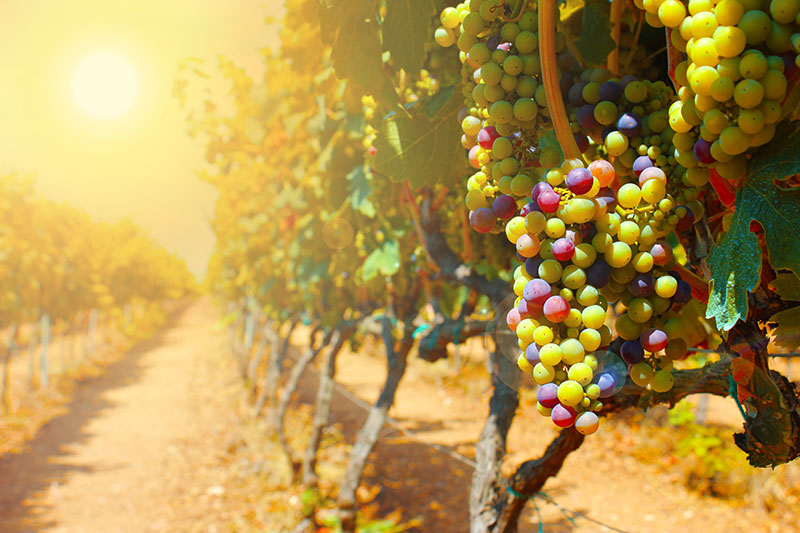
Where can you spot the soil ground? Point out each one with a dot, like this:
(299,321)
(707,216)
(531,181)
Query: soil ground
(147,447)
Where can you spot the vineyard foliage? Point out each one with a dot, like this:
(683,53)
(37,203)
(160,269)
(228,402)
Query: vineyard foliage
(644,176)
(57,261)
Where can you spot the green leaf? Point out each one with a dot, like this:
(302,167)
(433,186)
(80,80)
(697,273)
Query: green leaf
(595,42)
(419,148)
(787,285)
(384,260)
(406,29)
(736,262)
(360,191)
(356,48)
(787,334)
(735,270)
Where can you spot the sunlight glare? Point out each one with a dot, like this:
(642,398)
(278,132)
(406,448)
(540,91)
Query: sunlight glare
(105,84)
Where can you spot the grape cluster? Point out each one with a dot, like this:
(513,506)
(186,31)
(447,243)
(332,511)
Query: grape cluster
(740,54)
(587,244)
(506,107)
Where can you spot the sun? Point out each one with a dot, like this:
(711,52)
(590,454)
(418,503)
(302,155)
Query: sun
(105,84)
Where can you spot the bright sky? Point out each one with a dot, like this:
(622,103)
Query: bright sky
(139,163)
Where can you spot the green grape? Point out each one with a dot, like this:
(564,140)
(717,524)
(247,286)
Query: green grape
(550,354)
(502,148)
(750,121)
(584,255)
(703,25)
(722,89)
(640,310)
(729,41)
(756,26)
(508,83)
(671,13)
(570,393)
(593,316)
(729,12)
(616,143)
(729,68)
(587,295)
(573,319)
(525,109)
(629,195)
(702,79)
(581,373)
(662,381)
(641,374)
(591,93)
(774,84)
(512,65)
(494,93)
(602,242)
(748,93)
(779,39)
(605,112)
(628,232)
(526,42)
(618,255)
(542,335)
(733,169)
(608,223)
(635,92)
(573,277)
(526,87)
(716,121)
(501,112)
(509,32)
(627,329)
(697,176)
(666,286)
(521,185)
(555,228)
(771,110)
(473,24)
(643,262)
(753,65)
(531,64)
(572,351)
(550,270)
(543,374)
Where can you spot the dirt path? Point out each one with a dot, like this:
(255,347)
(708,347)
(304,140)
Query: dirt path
(139,448)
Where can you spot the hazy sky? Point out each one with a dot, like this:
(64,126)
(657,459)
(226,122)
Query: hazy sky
(140,165)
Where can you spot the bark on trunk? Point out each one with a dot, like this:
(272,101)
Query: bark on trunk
(322,410)
(488,482)
(368,435)
(278,415)
(255,362)
(12,347)
(275,366)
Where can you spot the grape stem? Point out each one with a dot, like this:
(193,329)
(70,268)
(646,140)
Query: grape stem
(552,88)
(635,44)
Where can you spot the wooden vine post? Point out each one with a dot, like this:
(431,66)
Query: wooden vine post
(552,86)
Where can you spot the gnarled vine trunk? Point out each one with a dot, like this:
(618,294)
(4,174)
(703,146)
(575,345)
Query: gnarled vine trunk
(368,435)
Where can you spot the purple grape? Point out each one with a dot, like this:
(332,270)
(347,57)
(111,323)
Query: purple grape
(565,83)
(537,291)
(606,383)
(579,180)
(587,232)
(629,125)
(598,274)
(575,94)
(582,141)
(547,395)
(653,340)
(640,163)
(563,249)
(586,117)
(627,79)
(686,222)
(504,206)
(539,188)
(611,91)
(548,201)
(641,286)
(607,195)
(529,208)
(532,265)
(563,416)
(631,352)
(683,294)
(607,130)
(702,152)
(482,220)
(520,257)
(493,41)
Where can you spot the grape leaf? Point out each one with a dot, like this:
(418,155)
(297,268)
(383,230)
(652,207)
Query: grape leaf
(406,29)
(356,48)
(787,285)
(360,191)
(787,334)
(384,260)
(736,262)
(595,42)
(419,147)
